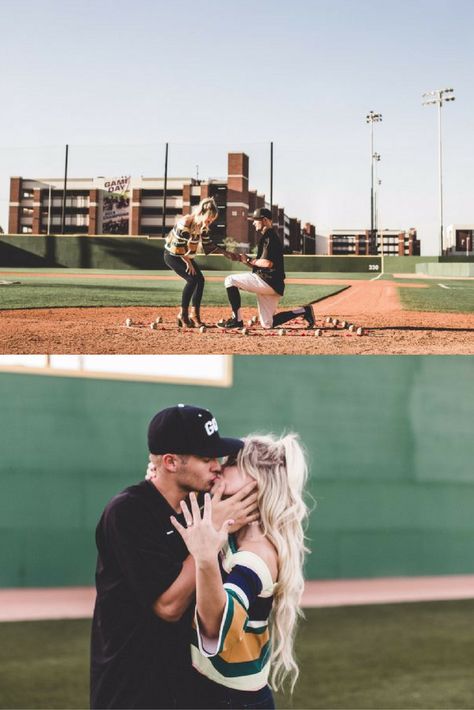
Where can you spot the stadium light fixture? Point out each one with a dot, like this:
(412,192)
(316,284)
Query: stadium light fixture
(437,98)
(371,118)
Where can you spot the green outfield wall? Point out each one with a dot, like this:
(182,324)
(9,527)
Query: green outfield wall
(101,252)
(27,251)
(390,442)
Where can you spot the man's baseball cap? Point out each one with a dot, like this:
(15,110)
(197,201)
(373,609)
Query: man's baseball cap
(185,429)
(261,213)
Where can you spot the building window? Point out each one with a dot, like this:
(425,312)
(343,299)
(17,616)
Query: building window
(206,370)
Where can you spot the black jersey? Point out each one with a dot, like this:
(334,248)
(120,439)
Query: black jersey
(138,660)
(269,247)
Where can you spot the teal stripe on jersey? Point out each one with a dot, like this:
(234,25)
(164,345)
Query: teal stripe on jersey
(244,668)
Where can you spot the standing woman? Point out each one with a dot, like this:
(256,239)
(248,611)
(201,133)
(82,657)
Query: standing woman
(249,584)
(180,249)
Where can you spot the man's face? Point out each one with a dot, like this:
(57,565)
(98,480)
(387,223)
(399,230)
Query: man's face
(196,473)
(258,224)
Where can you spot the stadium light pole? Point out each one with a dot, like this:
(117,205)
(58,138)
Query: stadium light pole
(437,98)
(377,182)
(372,118)
(165,191)
(271,177)
(63,208)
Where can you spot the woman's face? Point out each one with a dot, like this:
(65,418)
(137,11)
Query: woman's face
(206,219)
(233,477)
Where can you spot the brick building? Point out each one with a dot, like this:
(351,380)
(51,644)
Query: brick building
(359,242)
(459,240)
(137,205)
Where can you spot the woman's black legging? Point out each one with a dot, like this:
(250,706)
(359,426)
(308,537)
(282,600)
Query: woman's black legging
(194,284)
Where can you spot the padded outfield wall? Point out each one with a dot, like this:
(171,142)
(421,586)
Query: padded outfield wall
(390,442)
(84,252)
(100,252)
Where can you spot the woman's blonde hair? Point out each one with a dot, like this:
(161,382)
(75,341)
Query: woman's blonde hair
(206,207)
(280,469)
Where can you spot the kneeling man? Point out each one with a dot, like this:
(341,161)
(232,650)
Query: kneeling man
(267,280)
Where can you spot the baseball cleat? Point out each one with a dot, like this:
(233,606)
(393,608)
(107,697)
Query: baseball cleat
(153,325)
(343,324)
(202,329)
(328,320)
(351,328)
(253,319)
(360,331)
(281,331)
(318,332)
(231,323)
(308,316)
(129,322)
(158,319)
(244,331)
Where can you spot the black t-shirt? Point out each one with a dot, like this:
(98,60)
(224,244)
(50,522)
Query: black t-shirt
(269,247)
(137,659)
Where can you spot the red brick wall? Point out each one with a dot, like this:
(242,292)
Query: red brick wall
(93,211)
(238,197)
(36,226)
(14,211)
(136,212)
(187,199)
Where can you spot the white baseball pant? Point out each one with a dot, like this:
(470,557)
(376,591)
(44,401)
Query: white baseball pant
(267,298)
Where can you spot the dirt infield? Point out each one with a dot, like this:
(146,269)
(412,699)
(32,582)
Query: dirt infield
(24,604)
(373,305)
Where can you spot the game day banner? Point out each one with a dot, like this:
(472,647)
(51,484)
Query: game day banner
(115,205)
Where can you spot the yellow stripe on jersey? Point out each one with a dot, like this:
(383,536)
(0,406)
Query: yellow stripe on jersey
(240,656)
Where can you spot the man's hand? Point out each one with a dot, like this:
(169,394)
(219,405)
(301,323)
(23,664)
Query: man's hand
(241,507)
(246,259)
(232,255)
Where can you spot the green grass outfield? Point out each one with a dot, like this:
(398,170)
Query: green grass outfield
(76,288)
(415,655)
(451,296)
(71,289)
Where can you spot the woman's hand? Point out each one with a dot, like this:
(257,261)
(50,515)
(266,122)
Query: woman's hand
(190,269)
(151,470)
(200,536)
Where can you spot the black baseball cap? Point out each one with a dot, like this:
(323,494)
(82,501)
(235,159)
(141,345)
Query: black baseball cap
(261,213)
(185,429)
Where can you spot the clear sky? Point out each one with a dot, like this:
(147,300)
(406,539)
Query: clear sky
(117,79)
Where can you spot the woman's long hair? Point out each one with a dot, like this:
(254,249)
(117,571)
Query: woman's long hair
(280,469)
(205,207)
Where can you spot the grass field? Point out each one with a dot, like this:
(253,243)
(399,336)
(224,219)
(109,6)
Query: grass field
(382,657)
(68,290)
(106,288)
(440,296)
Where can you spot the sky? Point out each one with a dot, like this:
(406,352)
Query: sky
(116,80)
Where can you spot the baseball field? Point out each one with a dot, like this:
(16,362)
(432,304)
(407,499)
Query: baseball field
(85,310)
(387,656)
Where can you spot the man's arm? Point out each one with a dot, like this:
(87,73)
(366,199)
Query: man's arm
(171,605)
(259,263)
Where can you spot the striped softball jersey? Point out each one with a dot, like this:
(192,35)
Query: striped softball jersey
(184,240)
(240,657)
